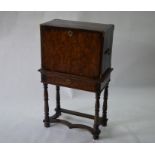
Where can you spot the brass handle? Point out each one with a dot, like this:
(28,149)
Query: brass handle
(70,33)
(108,51)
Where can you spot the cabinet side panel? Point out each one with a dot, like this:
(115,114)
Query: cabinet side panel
(107,50)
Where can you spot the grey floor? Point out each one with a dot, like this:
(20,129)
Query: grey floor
(131,114)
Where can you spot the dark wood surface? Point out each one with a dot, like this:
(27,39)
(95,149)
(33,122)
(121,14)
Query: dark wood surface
(76,55)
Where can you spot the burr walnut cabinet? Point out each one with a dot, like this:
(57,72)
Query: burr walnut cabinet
(76,55)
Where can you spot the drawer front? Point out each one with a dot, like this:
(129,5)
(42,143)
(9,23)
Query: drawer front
(71,51)
(69,81)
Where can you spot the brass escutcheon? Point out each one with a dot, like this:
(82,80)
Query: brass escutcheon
(70,33)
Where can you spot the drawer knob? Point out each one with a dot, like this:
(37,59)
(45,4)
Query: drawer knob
(70,33)
(68,81)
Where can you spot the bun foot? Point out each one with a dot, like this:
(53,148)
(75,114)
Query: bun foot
(104,122)
(96,134)
(46,125)
(95,137)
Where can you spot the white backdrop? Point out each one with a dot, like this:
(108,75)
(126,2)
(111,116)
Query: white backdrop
(133,55)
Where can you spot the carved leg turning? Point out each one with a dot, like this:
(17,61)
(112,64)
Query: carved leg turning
(96,120)
(46,107)
(104,114)
(58,112)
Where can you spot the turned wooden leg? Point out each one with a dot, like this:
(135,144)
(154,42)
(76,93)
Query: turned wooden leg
(104,114)
(58,112)
(96,120)
(46,107)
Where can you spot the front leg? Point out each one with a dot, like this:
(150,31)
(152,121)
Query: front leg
(57,109)
(46,106)
(96,120)
(104,114)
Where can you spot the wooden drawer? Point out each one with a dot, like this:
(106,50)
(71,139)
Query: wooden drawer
(71,81)
(71,51)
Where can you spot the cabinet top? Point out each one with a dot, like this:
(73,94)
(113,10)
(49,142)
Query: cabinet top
(79,25)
